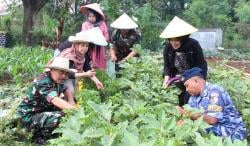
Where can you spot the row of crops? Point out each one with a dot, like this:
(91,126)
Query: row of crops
(132,110)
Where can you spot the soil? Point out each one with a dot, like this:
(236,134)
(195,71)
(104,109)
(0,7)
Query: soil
(5,78)
(242,65)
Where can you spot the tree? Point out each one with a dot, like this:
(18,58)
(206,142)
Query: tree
(243,10)
(31,9)
(208,14)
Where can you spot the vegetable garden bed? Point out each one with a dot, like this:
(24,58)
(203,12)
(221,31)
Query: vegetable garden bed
(132,110)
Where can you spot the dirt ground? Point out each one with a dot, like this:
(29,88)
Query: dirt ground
(242,65)
(245,65)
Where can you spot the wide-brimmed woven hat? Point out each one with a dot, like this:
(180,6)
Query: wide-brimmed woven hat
(60,63)
(177,28)
(80,37)
(96,36)
(124,22)
(94,6)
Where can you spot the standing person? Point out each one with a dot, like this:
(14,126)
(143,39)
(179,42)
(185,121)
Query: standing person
(41,109)
(220,111)
(123,38)
(180,54)
(76,54)
(96,18)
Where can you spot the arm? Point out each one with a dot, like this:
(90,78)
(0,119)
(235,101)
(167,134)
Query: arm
(131,54)
(208,119)
(70,97)
(103,27)
(86,26)
(62,104)
(166,69)
(98,84)
(166,59)
(51,94)
(112,53)
(89,73)
(112,49)
(166,79)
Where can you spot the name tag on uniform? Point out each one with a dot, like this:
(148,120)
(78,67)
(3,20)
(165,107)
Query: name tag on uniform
(214,108)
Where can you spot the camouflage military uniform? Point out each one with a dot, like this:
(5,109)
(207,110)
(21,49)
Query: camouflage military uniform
(37,112)
(217,103)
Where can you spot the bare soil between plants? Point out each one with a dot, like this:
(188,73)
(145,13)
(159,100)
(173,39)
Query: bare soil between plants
(241,65)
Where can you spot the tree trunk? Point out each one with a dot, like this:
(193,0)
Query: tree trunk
(31,9)
(182,4)
(28,23)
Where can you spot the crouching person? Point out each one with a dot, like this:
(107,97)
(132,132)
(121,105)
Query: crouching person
(124,37)
(41,109)
(220,111)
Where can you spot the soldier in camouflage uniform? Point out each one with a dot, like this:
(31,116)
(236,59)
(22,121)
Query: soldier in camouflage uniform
(123,38)
(215,101)
(41,109)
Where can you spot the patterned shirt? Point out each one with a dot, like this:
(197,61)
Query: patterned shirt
(123,44)
(180,62)
(217,103)
(39,96)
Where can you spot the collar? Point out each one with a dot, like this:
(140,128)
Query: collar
(204,93)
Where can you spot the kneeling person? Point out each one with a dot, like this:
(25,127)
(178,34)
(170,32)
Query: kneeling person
(41,109)
(220,111)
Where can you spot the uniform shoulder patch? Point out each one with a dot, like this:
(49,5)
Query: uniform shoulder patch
(214,97)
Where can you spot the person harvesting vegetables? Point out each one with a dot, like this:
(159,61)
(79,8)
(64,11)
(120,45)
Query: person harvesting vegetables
(180,54)
(41,109)
(219,110)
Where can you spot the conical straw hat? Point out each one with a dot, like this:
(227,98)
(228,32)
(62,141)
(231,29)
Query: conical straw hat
(124,22)
(96,36)
(177,28)
(80,37)
(94,6)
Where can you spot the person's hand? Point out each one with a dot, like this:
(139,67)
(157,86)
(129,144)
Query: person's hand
(172,80)
(165,83)
(90,73)
(72,102)
(181,110)
(93,64)
(78,106)
(99,85)
(122,61)
(180,123)
(113,58)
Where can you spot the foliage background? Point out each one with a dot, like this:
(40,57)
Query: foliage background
(152,16)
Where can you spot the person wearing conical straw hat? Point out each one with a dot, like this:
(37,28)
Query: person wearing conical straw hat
(124,37)
(180,54)
(96,18)
(42,108)
(76,54)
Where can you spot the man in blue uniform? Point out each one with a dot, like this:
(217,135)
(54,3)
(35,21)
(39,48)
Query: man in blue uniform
(220,111)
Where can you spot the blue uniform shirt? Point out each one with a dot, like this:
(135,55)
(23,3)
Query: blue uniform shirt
(217,103)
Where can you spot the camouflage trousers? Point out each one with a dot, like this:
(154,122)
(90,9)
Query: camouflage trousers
(43,124)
